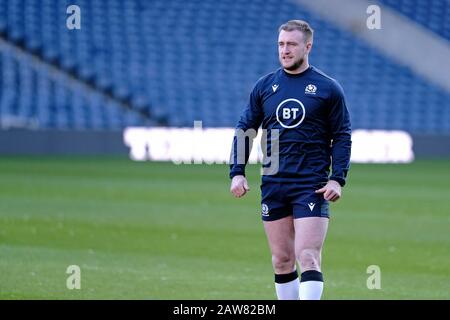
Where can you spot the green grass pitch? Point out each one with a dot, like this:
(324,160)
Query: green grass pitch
(161,231)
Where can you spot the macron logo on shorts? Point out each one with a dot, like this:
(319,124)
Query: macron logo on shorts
(311,206)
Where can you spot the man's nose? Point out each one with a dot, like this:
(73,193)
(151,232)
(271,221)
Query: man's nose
(285,49)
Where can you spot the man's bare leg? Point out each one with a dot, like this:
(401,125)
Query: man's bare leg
(281,237)
(310,235)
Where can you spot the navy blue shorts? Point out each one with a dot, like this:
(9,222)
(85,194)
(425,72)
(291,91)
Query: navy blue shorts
(281,199)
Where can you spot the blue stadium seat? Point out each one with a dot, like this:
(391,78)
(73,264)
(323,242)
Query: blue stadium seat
(198,60)
(433,15)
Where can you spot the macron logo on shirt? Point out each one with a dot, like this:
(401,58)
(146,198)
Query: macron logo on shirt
(274,87)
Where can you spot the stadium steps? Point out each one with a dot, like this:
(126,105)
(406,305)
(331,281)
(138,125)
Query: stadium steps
(80,77)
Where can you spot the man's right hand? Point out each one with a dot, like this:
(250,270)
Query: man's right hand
(239,186)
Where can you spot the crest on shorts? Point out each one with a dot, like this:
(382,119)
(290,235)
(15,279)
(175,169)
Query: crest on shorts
(264,210)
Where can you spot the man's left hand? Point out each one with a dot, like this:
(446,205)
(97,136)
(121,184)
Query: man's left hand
(331,191)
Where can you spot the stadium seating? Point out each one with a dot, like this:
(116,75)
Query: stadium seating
(433,15)
(180,61)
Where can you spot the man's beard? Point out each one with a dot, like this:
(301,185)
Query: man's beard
(295,65)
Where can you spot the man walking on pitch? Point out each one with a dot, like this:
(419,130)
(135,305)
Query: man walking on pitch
(308,109)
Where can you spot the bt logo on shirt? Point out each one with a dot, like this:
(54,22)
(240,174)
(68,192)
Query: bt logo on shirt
(287,113)
(290,113)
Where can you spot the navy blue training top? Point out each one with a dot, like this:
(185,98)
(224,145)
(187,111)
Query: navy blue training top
(310,112)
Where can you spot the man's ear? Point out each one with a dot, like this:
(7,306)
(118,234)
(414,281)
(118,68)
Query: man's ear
(309,46)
